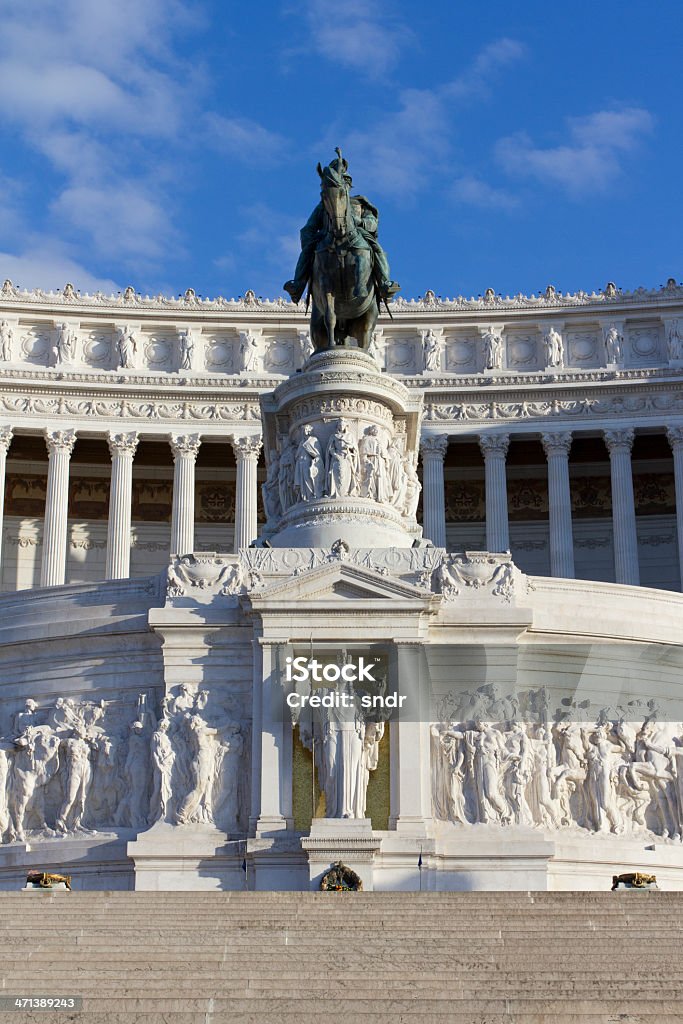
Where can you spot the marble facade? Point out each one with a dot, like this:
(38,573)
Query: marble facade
(143,729)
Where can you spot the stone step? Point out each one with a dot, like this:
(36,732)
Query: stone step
(322,1017)
(383,1004)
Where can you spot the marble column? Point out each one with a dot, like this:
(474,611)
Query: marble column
(675,436)
(619,444)
(494,448)
(273,745)
(556,448)
(410,756)
(5,441)
(433,450)
(122,448)
(60,445)
(246,451)
(185,448)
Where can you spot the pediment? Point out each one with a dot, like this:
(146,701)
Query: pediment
(340,582)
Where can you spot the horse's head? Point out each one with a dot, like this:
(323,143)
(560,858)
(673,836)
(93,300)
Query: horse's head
(335,188)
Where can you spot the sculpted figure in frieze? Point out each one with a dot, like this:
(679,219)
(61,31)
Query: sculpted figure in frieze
(127,346)
(6,338)
(397,478)
(249,351)
(133,810)
(674,341)
(76,753)
(374,469)
(341,462)
(413,486)
(286,475)
(432,344)
(506,759)
(309,470)
(270,489)
(188,343)
(197,753)
(65,346)
(614,345)
(554,353)
(493,348)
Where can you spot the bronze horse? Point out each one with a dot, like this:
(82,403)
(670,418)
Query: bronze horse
(343,281)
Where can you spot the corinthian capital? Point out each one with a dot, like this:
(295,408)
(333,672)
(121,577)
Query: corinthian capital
(619,440)
(675,437)
(556,444)
(246,448)
(122,444)
(494,444)
(185,445)
(434,446)
(60,441)
(5,437)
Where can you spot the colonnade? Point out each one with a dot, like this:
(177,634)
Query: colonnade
(122,448)
(557,446)
(494,447)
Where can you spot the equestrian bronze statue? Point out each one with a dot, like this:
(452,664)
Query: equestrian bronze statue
(342,263)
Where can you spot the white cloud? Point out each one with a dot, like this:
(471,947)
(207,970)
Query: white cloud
(410,147)
(242,138)
(589,160)
(363,35)
(400,153)
(45,264)
(472,191)
(476,79)
(275,236)
(127,220)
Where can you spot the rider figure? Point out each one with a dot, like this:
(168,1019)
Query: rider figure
(365,217)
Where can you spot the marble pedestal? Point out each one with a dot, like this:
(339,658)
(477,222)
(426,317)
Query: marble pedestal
(349,840)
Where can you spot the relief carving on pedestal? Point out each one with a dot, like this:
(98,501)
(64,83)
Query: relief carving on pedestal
(508,760)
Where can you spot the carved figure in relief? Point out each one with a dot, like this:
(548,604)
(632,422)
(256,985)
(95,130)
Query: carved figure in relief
(127,347)
(397,480)
(188,343)
(286,475)
(249,351)
(163,757)
(613,345)
(600,781)
(78,767)
(5,777)
(341,462)
(134,808)
(6,338)
(654,763)
(493,348)
(674,341)
(554,354)
(36,760)
(413,487)
(197,803)
(228,772)
(520,762)
(309,470)
(374,346)
(431,350)
(485,749)
(374,476)
(65,347)
(270,489)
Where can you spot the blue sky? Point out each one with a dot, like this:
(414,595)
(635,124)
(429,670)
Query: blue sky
(169,144)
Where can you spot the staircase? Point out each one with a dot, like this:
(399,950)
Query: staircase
(327,958)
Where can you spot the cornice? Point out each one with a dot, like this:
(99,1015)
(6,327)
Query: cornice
(129,301)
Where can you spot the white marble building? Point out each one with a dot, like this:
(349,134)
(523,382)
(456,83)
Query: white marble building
(133,437)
